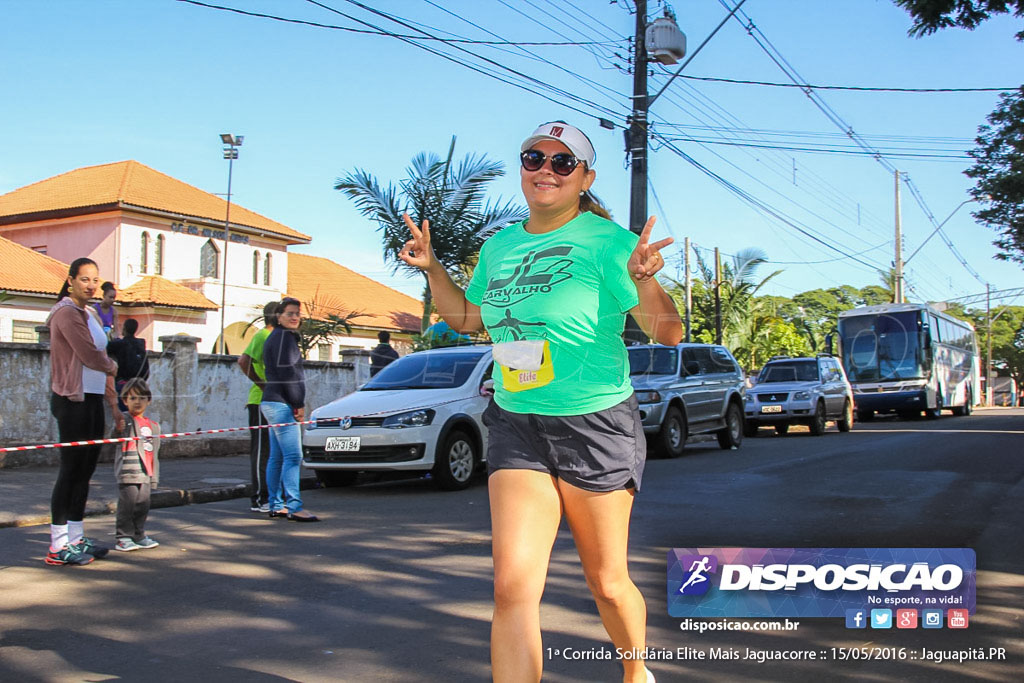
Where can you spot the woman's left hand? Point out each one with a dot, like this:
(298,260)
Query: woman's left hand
(646,259)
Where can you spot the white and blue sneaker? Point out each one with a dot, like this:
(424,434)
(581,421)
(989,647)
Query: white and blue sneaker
(146,542)
(126,545)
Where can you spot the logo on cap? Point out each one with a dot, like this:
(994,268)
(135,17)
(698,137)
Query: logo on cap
(557,131)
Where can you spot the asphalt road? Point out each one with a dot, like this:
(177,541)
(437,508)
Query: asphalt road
(394,585)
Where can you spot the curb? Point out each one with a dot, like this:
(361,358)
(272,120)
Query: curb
(161,498)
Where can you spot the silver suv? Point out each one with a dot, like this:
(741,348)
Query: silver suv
(685,390)
(808,391)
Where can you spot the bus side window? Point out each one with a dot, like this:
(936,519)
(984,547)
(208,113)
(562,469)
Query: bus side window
(936,329)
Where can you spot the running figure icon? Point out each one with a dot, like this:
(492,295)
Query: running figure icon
(696,570)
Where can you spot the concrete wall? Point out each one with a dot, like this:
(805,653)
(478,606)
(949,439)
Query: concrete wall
(191,392)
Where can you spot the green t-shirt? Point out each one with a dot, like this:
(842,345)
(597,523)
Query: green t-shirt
(255,351)
(569,286)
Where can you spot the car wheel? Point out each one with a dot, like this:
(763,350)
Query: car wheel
(454,461)
(818,422)
(672,436)
(750,428)
(782,428)
(936,412)
(731,436)
(336,478)
(865,415)
(846,421)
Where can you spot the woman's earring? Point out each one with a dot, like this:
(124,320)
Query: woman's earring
(583,192)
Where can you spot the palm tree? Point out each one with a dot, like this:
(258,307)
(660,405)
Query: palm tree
(451,198)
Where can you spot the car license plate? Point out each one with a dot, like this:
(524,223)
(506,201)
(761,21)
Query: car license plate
(771,409)
(341,443)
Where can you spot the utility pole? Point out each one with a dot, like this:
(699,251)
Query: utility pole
(636,145)
(689,292)
(718,297)
(898,286)
(988,344)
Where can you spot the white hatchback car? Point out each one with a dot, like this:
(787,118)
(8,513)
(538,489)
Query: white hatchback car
(421,412)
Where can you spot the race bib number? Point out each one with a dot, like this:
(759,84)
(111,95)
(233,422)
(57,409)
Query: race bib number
(516,379)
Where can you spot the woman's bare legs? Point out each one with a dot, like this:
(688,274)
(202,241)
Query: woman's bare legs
(525,513)
(600,527)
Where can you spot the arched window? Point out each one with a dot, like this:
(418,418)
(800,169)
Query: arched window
(256,267)
(144,254)
(159,256)
(209,260)
(266,270)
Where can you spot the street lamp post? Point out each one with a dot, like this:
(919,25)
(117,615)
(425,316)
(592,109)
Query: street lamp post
(938,227)
(231,145)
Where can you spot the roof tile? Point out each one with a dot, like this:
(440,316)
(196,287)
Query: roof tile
(160,291)
(25,270)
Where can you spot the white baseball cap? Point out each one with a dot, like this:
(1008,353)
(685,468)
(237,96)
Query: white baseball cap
(570,136)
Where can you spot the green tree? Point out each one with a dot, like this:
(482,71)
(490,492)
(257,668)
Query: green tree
(998,169)
(451,197)
(998,172)
(931,15)
(1007,339)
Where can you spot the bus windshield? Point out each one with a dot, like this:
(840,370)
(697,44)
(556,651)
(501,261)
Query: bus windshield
(881,347)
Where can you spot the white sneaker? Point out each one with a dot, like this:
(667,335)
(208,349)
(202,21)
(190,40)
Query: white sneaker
(126,545)
(146,542)
(650,676)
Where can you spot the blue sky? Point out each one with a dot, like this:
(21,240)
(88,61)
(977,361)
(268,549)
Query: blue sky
(158,81)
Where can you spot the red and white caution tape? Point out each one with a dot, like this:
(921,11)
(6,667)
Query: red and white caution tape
(122,439)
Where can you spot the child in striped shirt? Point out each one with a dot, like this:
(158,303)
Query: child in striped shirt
(137,468)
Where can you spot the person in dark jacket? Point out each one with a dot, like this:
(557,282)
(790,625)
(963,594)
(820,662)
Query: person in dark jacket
(130,353)
(383,354)
(284,400)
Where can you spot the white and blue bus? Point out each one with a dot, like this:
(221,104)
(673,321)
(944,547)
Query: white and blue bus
(909,358)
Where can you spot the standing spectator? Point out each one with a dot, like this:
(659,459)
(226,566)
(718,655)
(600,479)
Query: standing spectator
(137,468)
(383,354)
(284,400)
(565,437)
(81,375)
(130,353)
(105,309)
(251,362)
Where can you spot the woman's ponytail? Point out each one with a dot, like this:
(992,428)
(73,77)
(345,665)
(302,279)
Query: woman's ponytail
(590,202)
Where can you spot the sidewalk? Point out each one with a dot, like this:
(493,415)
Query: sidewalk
(25,491)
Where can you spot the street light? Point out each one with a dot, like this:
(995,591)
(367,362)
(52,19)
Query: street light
(231,145)
(938,227)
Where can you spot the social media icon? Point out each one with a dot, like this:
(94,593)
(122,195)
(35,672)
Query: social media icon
(856,618)
(881,618)
(931,618)
(957,618)
(906,618)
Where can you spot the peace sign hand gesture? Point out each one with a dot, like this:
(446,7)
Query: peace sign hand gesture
(417,251)
(646,259)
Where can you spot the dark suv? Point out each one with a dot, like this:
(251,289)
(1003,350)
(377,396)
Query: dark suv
(808,391)
(685,390)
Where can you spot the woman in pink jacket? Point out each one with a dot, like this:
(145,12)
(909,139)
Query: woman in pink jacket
(81,376)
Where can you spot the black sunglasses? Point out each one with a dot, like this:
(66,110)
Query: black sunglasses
(561,163)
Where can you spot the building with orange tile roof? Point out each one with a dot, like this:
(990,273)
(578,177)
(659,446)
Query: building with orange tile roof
(161,241)
(136,222)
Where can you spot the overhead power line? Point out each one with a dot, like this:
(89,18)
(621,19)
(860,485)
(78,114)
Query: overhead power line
(823,150)
(350,29)
(808,86)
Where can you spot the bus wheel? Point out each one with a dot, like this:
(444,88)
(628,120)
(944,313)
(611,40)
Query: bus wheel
(965,409)
(936,412)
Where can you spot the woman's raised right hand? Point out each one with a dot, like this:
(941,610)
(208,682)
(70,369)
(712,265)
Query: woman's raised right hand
(417,251)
